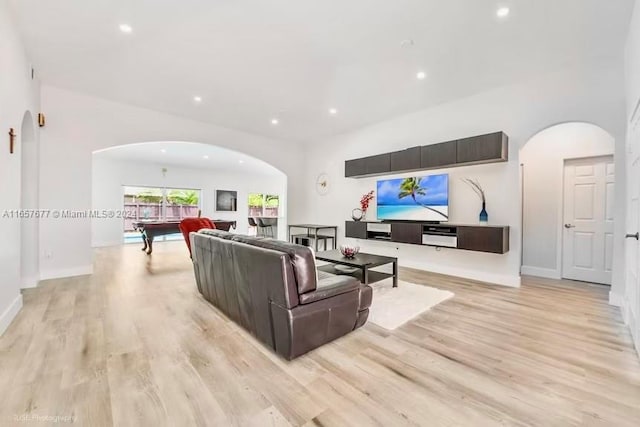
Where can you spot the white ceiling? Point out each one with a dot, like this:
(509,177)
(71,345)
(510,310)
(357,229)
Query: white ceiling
(252,60)
(189,155)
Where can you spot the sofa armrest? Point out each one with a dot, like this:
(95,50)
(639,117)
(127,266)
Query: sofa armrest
(330,287)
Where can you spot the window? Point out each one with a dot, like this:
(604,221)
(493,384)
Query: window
(263,205)
(158,204)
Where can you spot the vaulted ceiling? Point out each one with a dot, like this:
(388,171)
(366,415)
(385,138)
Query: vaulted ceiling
(252,61)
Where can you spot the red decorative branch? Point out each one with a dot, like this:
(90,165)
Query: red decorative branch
(365,200)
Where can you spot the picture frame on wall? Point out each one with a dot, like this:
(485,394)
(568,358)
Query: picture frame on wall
(226,201)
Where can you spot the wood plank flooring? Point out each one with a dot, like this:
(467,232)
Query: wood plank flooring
(135,345)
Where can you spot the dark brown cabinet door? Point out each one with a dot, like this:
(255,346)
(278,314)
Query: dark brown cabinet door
(484,239)
(405,160)
(438,155)
(485,148)
(378,164)
(490,148)
(406,233)
(356,167)
(356,229)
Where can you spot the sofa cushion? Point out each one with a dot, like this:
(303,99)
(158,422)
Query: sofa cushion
(302,260)
(221,234)
(330,287)
(245,239)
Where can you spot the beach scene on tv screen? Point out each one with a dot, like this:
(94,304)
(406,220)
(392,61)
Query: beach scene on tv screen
(416,198)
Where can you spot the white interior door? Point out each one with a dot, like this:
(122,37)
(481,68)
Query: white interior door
(631,308)
(588,219)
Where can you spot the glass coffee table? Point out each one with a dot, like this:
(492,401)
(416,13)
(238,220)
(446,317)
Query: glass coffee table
(359,266)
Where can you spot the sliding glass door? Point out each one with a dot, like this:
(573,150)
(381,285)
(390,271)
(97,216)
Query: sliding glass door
(158,204)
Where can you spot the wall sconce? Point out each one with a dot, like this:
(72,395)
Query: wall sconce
(41,120)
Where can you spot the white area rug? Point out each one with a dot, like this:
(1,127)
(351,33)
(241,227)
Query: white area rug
(393,307)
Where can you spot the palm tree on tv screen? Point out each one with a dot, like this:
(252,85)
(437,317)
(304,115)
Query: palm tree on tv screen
(411,187)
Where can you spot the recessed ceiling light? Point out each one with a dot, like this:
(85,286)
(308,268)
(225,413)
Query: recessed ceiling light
(274,121)
(333,111)
(421,75)
(197,98)
(205,157)
(503,12)
(126,28)
(163,150)
(241,161)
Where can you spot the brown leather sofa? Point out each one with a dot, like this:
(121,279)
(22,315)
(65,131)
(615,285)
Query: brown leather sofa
(270,288)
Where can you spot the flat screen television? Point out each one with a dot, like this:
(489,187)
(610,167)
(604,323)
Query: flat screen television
(414,199)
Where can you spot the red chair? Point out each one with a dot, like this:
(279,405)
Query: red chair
(189,225)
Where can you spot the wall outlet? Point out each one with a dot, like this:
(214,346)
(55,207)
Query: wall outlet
(48,254)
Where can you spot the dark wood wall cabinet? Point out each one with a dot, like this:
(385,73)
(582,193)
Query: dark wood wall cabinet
(406,232)
(490,239)
(490,148)
(356,229)
(408,159)
(438,155)
(484,239)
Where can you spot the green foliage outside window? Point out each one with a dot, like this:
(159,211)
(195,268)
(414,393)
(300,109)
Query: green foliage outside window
(148,197)
(272,201)
(256,200)
(179,197)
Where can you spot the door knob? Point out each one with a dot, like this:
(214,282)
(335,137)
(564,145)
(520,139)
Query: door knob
(567,226)
(633,236)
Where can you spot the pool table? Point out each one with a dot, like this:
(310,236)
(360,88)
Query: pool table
(151,229)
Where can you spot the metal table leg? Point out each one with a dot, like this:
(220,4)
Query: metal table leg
(395,273)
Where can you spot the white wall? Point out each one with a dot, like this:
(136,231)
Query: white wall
(543,166)
(591,95)
(628,298)
(29,227)
(78,125)
(110,175)
(18,94)
(632,62)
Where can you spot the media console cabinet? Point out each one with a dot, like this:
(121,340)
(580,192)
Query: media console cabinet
(479,238)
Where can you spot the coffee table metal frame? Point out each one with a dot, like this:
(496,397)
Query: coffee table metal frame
(363,262)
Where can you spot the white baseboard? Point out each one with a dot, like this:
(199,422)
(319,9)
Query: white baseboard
(10,313)
(481,276)
(547,273)
(66,272)
(616,300)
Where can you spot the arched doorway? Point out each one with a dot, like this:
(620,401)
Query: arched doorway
(29,269)
(549,205)
(146,178)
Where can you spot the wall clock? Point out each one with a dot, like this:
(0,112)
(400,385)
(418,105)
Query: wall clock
(322,184)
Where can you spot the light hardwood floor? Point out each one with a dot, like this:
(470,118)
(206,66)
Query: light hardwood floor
(136,345)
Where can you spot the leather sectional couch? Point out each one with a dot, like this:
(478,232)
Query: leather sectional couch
(271,288)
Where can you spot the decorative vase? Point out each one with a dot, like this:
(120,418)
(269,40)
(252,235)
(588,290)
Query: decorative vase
(484,216)
(357,214)
(364,215)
